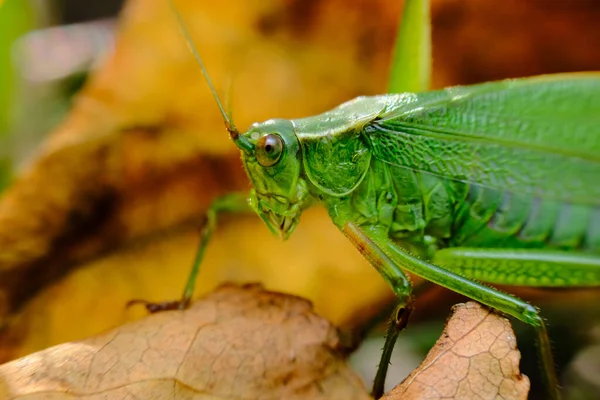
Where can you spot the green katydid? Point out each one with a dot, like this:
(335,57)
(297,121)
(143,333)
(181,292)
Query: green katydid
(495,182)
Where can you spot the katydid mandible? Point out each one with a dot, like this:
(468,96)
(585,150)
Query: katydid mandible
(495,182)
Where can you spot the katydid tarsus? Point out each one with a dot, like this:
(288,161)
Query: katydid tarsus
(495,182)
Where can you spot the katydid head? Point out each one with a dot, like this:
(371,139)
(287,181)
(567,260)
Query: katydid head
(270,152)
(274,165)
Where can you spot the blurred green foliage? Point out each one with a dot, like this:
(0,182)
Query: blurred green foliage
(16,18)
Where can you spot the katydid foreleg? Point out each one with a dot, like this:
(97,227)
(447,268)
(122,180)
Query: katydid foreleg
(229,203)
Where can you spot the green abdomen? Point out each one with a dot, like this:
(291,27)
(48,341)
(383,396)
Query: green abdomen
(493,218)
(413,205)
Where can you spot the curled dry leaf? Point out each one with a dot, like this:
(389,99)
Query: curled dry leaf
(475,358)
(238,342)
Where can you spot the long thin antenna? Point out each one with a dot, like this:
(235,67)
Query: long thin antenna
(228,96)
(239,140)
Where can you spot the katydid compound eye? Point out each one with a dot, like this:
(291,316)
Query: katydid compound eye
(269,149)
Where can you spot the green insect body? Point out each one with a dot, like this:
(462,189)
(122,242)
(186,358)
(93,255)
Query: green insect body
(481,167)
(492,182)
(496,182)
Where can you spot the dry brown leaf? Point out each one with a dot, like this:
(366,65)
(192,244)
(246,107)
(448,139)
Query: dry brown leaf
(475,358)
(245,342)
(237,343)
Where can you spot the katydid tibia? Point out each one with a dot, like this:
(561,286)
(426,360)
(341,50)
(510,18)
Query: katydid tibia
(496,182)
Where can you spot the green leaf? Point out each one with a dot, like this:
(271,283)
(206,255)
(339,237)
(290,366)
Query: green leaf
(411,64)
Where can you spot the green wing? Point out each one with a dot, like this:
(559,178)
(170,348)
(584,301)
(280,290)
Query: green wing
(539,135)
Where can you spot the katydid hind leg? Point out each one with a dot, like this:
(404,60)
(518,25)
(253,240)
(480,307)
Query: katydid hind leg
(531,267)
(523,267)
(401,286)
(229,203)
(491,297)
